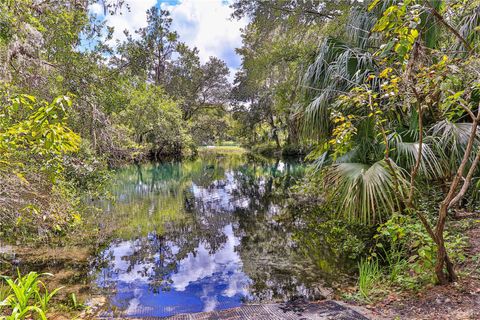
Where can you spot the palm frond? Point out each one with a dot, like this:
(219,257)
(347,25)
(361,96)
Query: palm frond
(431,26)
(450,141)
(363,192)
(321,161)
(360,23)
(316,116)
(469,27)
(406,155)
(336,69)
(327,53)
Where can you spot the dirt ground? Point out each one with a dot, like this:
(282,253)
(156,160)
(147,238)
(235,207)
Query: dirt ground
(460,300)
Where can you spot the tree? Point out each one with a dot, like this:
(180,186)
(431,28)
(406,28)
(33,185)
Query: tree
(158,43)
(391,117)
(149,53)
(155,121)
(182,75)
(198,85)
(279,41)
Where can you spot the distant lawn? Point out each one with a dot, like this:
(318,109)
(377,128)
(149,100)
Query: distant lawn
(221,149)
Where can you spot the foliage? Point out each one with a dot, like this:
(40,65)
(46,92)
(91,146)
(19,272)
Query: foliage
(389,101)
(155,121)
(28,297)
(369,274)
(198,86)
(361,192)
(210,126)
(37,146)
(86,172)
(409,253)
(38,128)
(277,42)
(195,86)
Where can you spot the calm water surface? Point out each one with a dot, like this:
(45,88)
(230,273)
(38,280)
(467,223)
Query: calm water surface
(202,235)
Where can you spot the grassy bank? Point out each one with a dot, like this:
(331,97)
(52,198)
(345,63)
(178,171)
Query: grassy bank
(221,149)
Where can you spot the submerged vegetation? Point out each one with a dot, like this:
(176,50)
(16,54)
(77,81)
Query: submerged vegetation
(381,98)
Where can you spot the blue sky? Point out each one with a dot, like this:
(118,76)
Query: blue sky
(205,24)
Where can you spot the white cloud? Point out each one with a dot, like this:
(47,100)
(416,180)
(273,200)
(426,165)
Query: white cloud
(202,268)
(207,25)
(130,20)
(204,264)
(96,8)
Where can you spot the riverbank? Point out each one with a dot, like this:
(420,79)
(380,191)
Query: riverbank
(230,202)
(459,300)
(221,149)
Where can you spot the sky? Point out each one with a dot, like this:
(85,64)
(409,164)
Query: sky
(205,24)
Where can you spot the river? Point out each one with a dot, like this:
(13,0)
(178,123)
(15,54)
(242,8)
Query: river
(202,235)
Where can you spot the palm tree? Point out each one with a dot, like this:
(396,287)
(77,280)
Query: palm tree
(372,178)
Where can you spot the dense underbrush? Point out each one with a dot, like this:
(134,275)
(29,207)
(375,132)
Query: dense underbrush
(390,256)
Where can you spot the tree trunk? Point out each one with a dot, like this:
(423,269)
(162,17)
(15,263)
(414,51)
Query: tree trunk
(454,195)
(275,134)
(442,255)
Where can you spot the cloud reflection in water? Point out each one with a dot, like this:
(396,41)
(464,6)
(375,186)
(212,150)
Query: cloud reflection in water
(204,281)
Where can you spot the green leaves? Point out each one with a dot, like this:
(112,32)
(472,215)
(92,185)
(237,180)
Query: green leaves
(369,273)
(373,4)
(40,128)
(399,23)
(44,299)
(362,192)
(27,297)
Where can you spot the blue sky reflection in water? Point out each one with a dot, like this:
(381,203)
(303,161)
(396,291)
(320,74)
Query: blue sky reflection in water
(203,281)
(182,233)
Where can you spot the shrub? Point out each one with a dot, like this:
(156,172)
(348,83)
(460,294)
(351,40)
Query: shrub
(410,253)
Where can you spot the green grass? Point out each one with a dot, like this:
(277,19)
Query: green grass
(221,149)
(228,144)
(369,274)
(4,292)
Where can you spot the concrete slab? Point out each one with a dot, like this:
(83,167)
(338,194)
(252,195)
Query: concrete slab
(297,310)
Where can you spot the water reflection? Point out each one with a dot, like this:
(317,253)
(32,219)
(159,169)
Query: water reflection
(200,236)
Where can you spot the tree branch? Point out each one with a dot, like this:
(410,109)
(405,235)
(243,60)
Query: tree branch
(306,11)
(414,172)
(468,180)
(448,26)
